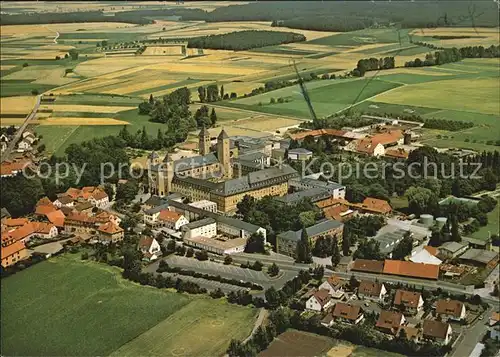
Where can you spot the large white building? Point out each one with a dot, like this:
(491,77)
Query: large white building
(335,189)
(206,227)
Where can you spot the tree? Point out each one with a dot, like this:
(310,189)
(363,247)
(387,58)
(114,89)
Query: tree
(455,235)
(304,254)
(346,241)
(25,64)
(403,248)
(127,191)
(307,218)
(273,297)
(273,270)
(335,253)
(222,91)
(151,99)
(256,243)
(353,282)
(189,252)
(247,204)
(368,249)
(108,188)
(74,54)
(213,117)
(34,92)
(257,265)
(228,260)
(421,200)
(202,94)
(217,293)
(201,255)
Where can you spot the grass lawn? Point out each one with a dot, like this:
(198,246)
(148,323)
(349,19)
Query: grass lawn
(362,351)
(64,307)
(202,328)
(491,227)
(21,87)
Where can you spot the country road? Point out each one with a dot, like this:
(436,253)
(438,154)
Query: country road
(31,115)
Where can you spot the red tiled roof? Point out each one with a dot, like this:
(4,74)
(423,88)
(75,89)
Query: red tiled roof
(331,202)
(99,194)
(110,228)
(338,213)
(9,168)
(370,288)
(407,298)
(145,242)
(169,216)
(434,328)
(366,145)
(334,281)
(322,297)
(12,249)
(44,209)
(371,266)
(375,205)
(431,250)
(15,222)
(319,132)
(390,320)
(389,137)
(416,270)
(400,153)
(449,307)
(56,218)
(346,311)
(44,201)
(79,217)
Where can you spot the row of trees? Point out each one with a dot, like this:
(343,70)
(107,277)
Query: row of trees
(372,64)
(203,118)
(450,125)
(449,55)
(244,40)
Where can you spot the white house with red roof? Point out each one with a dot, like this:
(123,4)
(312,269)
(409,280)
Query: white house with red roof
(319,301)
(150,248)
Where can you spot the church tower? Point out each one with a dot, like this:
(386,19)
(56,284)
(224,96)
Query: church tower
(224,154)
(168,174)
(204,142)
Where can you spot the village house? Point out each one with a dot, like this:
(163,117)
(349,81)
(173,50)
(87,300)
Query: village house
(494,325)
(151,215)
(206,227)
(450,310)
(390,321)
(334,285)
(56,218)
(346,313)
(171,219)
(412,333)
(150,248)
(64,201)
(110,233)
(79,223)
(372,290)
(320,301)
(408,301)
(437,331)
(13,253)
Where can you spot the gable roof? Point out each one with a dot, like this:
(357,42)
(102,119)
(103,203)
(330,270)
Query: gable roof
(11,249)
(374,205)
(44,201)
(417,270)
(110,228)
(432,250)
(370,288)
(145,242)
(371,266)
(44,209)
(56,218)
(334,281)
(449,307)
(388,137)
(407,298)
(390,320)
(366,145)
(312,231)
(65,199)
(169,216)
(15,222)
(347,311)
(434,328)
(99,194)
(322,297)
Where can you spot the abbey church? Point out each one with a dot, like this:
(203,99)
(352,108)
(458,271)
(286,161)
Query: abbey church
(212,176)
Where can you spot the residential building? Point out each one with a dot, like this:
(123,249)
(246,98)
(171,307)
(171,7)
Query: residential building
(437,331)
(205,205)
(390,321)
(238,228)
(347,313)
(450,310)
(56,218)
(172,219)
(24,145)
(13,253)
(313,194)
(150,248)
(206,227)
(319,301)
(110,233)
(84,207)
(372,290)
(151,215)
(286,242)
(65,201)
(334,285)
(79,223)
(494,325)
(369,147)
(408,301)
(12,168)
(412,333)
(373,206)
(154,201)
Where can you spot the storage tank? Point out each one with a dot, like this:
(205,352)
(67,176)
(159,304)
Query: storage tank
(441,221)
(427,219)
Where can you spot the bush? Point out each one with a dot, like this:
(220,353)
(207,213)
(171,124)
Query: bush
(34,92)
(25,64)
(201,255)
(228,260)
(189,252)
(85,256)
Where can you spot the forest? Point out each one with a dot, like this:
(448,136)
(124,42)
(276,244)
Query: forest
(244,40)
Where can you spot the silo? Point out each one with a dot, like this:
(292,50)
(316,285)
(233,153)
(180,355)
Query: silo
(427,219)
(441,221)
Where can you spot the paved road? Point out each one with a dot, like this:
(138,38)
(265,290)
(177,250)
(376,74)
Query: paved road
(471,336)
(12,144)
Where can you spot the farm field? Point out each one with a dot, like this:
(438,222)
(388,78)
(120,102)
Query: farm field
(492,226)
(91,300)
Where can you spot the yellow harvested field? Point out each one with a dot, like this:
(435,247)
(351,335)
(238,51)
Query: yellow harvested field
(241,87)
(5,67)
(107,65)
(341,350)
(170,90)
(42,75)
(140,86)
(85,108)
(87,85)
(10,121)
(163,51)
(50,29)
(44,54)
(213,69)
(82,121)
(55,47)
(423,72)
(231,131)
(265,123)
(17,105)
(458,31)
